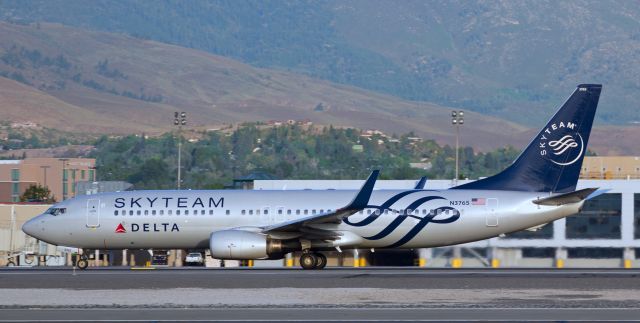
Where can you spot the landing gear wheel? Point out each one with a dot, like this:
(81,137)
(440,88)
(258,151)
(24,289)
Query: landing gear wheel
(11,263)
(308,261)
(321,261)
(82,263)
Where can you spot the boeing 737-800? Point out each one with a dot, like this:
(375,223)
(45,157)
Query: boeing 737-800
(538,188)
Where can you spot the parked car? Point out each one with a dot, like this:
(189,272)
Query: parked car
(194,259)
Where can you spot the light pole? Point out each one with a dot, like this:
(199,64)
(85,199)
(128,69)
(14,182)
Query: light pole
(180,119)
(457,119)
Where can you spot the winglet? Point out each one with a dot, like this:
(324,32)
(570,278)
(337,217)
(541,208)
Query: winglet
(421,183)
(362,199)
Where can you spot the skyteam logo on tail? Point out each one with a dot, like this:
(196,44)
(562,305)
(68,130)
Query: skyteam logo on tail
(560,144)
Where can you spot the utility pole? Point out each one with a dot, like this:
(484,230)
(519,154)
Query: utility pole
(457,119)
(180,119)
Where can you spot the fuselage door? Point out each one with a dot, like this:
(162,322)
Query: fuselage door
(280,216)
(267,216)
(492,208)
(93,213)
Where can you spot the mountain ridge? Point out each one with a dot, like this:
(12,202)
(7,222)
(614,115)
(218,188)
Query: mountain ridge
(115,80)
(505,58)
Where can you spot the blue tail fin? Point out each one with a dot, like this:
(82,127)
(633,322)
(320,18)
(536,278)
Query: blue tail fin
(552,161)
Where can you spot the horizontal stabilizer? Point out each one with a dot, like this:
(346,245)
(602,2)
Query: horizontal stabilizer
(566,198)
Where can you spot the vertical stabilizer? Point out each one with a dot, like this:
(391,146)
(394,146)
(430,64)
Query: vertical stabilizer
(552,161)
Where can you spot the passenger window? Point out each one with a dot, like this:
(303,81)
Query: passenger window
(297,212)
(153,212)
(368,211)
(243,212)
(313,211)
(202,212)
(321,211)
(169,212)
(250,212)
(258,212)
(228,212)
(115,212)
(210,212)
(306,212)
(146,212)
(186,212)
(161,212)
(289,212)
(266,211)
(280,212)
(177,212)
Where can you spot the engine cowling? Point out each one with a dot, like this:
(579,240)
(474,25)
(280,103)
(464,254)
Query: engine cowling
(240,245)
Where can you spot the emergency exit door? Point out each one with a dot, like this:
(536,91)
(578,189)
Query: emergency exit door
(492,208)
(93,213)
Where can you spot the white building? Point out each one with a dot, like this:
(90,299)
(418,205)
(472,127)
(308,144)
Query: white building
(605,234)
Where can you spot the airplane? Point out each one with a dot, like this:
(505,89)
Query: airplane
(537,188)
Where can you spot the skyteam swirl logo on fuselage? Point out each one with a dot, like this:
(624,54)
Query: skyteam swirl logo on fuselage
(563,151)
(452,213)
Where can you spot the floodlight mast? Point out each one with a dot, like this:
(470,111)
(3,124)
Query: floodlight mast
(457,119)
(179,120)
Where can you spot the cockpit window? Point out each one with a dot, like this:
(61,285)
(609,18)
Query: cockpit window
(56,211)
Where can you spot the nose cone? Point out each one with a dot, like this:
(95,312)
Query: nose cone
(31,227)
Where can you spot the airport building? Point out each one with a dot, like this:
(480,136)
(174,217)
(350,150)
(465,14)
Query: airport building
(60,175)
(605,234)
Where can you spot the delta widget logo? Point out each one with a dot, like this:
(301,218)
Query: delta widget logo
(120,228)
(560,144)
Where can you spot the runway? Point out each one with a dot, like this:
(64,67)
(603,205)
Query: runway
(334,294)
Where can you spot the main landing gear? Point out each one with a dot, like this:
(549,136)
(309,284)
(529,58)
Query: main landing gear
(82,262)
(313,260)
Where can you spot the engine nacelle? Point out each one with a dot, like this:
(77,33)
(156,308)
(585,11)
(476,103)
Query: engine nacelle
(240,245)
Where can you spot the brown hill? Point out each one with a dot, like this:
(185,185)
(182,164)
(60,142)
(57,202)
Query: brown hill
(77,80)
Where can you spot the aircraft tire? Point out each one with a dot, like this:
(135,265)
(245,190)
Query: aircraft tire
(82,263)
(11,264)
(308,260)
(321,262)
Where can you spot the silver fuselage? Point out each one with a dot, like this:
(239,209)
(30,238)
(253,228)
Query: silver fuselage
(150,219)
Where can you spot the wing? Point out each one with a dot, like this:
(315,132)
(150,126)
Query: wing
(309,225)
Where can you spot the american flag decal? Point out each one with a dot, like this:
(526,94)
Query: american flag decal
(478,201)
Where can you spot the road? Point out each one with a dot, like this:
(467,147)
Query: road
(334,294)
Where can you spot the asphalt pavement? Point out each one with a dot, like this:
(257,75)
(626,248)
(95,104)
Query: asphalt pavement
(333,294)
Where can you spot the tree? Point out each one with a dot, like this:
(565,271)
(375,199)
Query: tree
(37,193)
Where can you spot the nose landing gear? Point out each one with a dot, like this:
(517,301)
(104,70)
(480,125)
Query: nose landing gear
(313,260)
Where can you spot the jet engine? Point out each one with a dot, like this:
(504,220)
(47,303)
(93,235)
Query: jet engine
(239,245)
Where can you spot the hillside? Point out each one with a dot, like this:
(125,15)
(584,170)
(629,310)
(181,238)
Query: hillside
(506,58)
(69,78)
